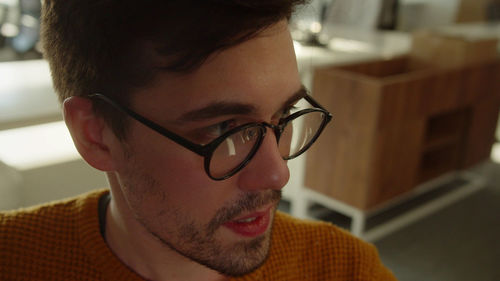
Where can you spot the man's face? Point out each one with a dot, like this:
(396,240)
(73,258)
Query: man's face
(225,225)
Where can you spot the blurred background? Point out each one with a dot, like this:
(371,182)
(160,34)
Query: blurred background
(410,160)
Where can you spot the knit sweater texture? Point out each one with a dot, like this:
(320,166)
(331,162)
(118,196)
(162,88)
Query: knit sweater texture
(62,241)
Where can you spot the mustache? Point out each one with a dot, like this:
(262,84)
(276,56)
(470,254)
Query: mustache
(247,203)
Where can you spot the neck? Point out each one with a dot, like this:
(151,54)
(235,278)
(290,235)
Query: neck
(143,252)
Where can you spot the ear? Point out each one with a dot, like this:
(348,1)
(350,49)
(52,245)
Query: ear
(87,131)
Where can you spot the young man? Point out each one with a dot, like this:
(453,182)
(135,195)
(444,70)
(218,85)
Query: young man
(190,107)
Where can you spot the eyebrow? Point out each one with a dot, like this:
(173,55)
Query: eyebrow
(222,108)
(301,93)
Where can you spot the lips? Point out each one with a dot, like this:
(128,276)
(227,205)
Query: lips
(251,225)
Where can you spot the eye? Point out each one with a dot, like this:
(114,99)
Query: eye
(250,134)
(206,134)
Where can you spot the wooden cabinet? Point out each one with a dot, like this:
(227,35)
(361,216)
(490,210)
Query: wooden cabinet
(400,122)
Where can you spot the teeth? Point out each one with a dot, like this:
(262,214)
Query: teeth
(248,220)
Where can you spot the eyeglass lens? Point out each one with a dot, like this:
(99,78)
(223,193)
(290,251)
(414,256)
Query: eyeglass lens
(238,147)
(299,133)
(234,150)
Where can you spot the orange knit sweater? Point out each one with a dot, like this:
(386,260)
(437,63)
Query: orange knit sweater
(61,241)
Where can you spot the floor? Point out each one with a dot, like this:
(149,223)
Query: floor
(458,243)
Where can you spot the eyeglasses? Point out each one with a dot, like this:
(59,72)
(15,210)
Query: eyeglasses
(229,153)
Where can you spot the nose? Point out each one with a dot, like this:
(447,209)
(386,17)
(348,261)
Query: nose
(267,169)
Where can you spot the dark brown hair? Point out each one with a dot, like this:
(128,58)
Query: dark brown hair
(114,46)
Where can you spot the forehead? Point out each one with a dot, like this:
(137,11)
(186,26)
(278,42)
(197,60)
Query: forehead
(261,71)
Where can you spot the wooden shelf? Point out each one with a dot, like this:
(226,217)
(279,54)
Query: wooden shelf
(438,161)
(399,124)
(444,141)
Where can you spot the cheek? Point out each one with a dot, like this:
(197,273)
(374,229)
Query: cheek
(164,158)
(180,181)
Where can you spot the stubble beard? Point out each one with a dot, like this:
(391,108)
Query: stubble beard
(199,242)
(234,260)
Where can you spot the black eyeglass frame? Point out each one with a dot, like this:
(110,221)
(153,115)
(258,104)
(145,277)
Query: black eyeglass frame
(206,150)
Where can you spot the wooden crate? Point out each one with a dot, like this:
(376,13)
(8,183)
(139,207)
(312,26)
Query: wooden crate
(472,11)
(397,123)
(452,50)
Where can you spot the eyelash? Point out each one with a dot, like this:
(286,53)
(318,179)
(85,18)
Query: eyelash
(207,134)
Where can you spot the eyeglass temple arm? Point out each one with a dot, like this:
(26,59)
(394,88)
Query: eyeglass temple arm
(314,103)
(159,129)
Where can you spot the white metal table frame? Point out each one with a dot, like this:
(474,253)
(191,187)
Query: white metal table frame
(472,183)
